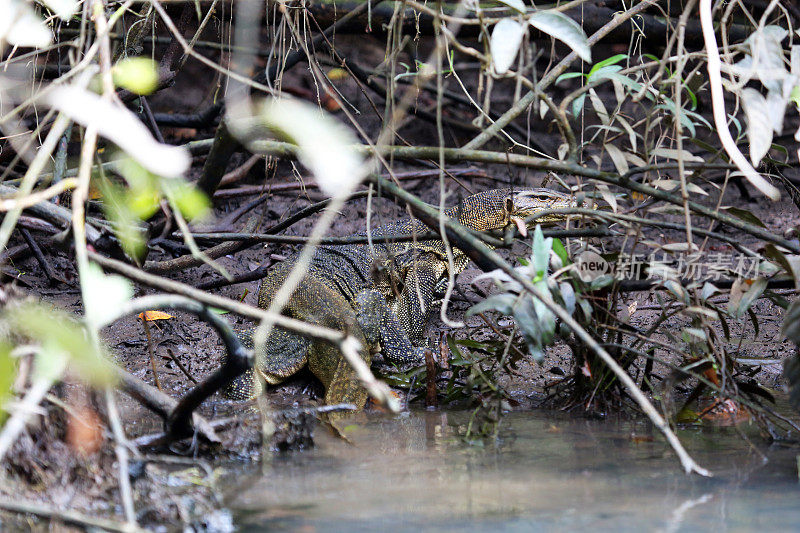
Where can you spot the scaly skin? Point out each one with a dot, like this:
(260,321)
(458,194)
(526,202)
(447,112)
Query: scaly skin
(382,294)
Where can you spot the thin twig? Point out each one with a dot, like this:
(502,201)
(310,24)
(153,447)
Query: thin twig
(147,334)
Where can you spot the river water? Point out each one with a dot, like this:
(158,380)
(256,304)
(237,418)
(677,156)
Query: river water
(546,472)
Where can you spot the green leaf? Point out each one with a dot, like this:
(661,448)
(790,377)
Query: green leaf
(693,334)
(561,252)
(613,60)
(187,198)
(601,282)
(692,97)
(526,320)
(760,117)
(469,343)
(137,74)
(547,320)
(8,372)
(611,74)
(794,96)
(754,321)
(64,341)
(568,296)
(126,223)
(564,29)
(577,105)
(604,72)
(569,76)
(707,147)
(709,289)
(772,252)
(686,122)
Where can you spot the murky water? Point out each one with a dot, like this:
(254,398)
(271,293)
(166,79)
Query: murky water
(547,472)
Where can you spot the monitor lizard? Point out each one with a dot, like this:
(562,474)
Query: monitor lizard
(382,294)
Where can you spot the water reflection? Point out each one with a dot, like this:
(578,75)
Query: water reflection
(546,472)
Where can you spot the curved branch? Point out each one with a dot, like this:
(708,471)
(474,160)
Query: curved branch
(177,420)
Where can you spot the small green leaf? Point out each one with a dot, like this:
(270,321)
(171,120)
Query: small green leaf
(692,97)
(577,105)
(64,341)
(569,76)
(8,372)
(613,60)
(137,74)
(125,222)
(561,252)
(189,200)
(794,96)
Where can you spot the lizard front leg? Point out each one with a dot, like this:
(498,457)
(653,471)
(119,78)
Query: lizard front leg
(380,326)
(415,302)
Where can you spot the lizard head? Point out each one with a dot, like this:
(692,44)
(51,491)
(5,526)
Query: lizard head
(528,202)
(495,209)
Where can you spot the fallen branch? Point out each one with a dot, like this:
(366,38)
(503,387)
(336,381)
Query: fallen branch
(160,403)
(236,362)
